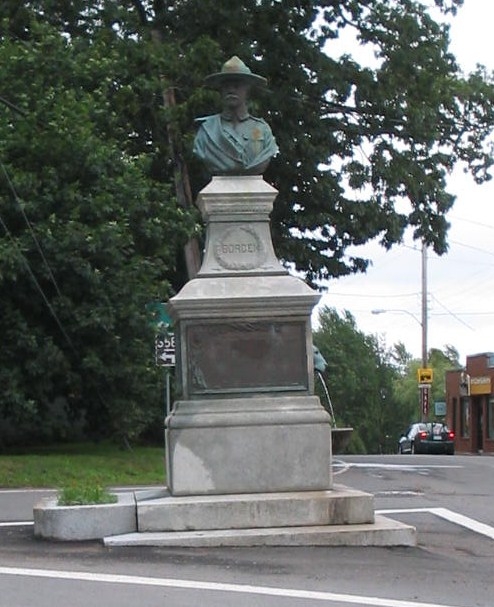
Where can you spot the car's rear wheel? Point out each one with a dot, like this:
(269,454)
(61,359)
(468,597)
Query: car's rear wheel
(412,449)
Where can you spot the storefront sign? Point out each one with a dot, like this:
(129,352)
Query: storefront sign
(480,385)
(424,401)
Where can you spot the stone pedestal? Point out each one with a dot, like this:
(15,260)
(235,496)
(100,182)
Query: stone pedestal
(253,445)
(247,420)
(248,445)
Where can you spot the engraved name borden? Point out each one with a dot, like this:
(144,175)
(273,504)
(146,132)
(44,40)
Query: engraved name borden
(239,248)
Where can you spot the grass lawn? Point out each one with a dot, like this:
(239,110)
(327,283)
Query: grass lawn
(103,464)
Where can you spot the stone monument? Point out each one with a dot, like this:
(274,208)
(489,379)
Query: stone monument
(247,420)
(248,444)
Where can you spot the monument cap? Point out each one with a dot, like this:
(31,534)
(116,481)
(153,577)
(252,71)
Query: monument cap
(234,68)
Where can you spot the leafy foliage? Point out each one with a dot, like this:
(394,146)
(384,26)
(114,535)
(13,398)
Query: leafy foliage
(88,236)
(360,376)
(406,387)
(372,388)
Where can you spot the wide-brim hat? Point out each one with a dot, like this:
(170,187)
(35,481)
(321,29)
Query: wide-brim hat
(235,68)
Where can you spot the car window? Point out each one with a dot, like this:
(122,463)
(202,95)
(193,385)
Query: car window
(439,428)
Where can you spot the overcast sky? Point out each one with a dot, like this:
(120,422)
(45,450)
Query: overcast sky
(460,284)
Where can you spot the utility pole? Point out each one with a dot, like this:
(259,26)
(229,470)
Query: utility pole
(424,388)
(424,305)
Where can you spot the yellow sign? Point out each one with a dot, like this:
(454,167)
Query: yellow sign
(425,376)
(480,385)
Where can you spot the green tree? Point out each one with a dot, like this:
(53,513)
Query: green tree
(406,386)
(441,361)
(412,115)
(87,238)
(360,379)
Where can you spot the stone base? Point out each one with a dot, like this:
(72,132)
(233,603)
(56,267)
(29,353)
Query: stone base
(383,532)
(248,445)
(342,506)
(343,517)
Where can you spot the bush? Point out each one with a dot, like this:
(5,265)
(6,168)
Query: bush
(85,494)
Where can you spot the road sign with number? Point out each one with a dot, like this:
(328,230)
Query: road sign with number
(165,350)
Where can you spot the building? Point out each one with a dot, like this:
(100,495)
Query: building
(470,404)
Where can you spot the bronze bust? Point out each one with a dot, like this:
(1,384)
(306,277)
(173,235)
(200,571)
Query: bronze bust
(234,142)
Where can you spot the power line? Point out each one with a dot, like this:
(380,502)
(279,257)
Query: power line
(462,314)
(452,313)
(475,223)
(468,246)
(12,106)
(30,228)
(380,296)
(37,285)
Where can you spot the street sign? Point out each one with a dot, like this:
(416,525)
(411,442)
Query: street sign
(424,402)
(165,350)
(158,315)
(440,408)
(425,376)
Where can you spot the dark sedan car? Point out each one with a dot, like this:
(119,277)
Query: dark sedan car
(427,437)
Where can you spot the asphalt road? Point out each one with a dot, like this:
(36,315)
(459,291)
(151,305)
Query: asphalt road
(449,500)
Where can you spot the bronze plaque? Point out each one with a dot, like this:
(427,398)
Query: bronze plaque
(246,357)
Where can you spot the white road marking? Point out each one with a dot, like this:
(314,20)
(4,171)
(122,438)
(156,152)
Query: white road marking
(347,465)
(398,493)
(53,491)
(465,521)
(338,463)
(106,578)
(2,491)
(17,524)
(452,517)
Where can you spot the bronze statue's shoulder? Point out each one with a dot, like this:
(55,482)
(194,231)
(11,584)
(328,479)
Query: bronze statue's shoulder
(256,119)
(206,118)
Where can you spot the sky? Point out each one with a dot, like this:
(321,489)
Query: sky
(460,284)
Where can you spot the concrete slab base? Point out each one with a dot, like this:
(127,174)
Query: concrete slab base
(341,506)
(383,532)
(342,517)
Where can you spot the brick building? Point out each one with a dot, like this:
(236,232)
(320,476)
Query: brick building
(470,404)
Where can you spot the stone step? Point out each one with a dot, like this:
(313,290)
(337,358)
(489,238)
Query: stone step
(383,532)
(340,506)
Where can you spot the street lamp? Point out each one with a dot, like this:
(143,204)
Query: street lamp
(385,310)
(424,388)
